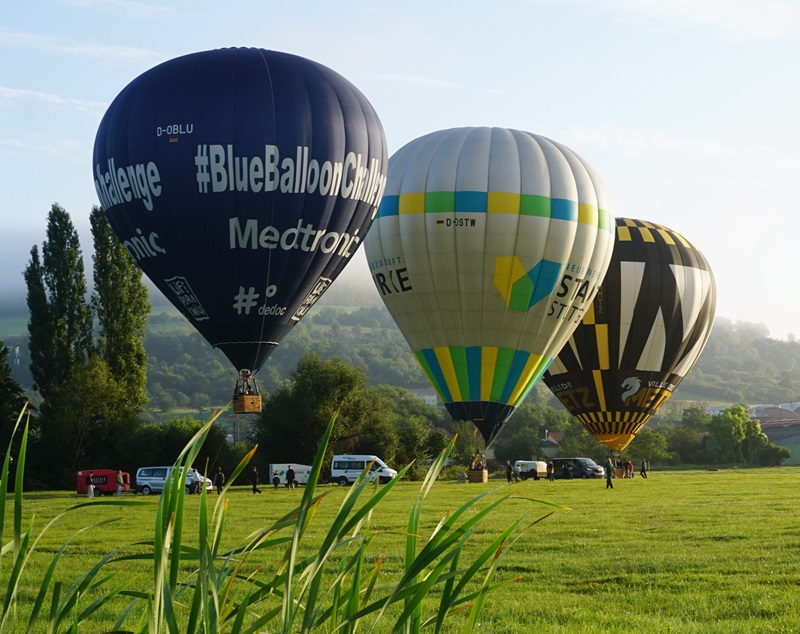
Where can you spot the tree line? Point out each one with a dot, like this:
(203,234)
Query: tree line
(107,383)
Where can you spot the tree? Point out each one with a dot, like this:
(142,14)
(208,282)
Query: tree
(39,322)
(296,415)
(412,437)
(685,443)
(576,441)
(12,399)
(754,441)
(468,441)
(60,325)
(726,431)
(523,444)
(696,417)
(121,306)
(648,445)
(78,423)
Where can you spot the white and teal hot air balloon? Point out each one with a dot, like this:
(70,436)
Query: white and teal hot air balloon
(488,248)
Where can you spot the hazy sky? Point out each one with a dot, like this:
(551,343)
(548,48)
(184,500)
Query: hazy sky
(688,109)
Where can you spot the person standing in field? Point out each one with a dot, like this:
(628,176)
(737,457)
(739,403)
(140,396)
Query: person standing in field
(120,482)
(276,480)
(551,471)
(291,483)
(643,471)
(254,480)
(90,485)
(219,480)
(609,474)
(198,482)
(509,471)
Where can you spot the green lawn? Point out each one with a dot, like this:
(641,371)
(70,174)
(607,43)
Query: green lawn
(683,552)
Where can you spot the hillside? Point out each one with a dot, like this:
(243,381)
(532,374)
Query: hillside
(740,363)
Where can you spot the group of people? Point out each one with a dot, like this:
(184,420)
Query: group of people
(198,481)
(90,490)
(627,470)
(291,480)
(477,461)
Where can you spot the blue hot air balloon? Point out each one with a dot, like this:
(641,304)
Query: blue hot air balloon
(242,181)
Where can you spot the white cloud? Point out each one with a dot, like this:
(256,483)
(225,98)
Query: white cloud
(49,147)
(130,7)
(417,80)
(91,50)
(15,96)
(738,20)
(634,142)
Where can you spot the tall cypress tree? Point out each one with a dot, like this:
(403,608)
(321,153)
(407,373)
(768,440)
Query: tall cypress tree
(12,398)
(60,325)
(39,326)
(60,339)
(121,306)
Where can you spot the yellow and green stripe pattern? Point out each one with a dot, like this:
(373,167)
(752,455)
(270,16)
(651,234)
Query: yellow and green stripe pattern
(482,373)
(495,203)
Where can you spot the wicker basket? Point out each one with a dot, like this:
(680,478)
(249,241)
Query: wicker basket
(247,404)
(478,475)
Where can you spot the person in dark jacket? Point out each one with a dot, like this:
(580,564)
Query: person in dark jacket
(609,474)
(291,483)
(254,480)
(219,480)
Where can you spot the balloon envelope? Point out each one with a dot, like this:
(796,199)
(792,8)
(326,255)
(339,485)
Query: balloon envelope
(646,328)
(489,245)
(242,181)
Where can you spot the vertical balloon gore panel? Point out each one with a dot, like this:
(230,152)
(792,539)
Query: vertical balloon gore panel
(613,405)
(645,330)
(488,248)
(242,181)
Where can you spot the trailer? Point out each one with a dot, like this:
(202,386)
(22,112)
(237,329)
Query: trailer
(104,481)
(301,472)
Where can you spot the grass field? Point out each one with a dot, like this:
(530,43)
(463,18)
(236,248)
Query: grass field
(683,552)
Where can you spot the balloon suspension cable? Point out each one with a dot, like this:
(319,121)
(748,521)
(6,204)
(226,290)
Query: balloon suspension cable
(267,293)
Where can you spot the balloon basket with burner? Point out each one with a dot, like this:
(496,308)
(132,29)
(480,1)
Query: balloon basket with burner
(246,399)
(477,475)
(247,404)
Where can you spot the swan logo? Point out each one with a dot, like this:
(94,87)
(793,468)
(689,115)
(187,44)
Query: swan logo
(631,385)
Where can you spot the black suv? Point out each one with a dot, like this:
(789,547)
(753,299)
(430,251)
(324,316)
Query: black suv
(583,468)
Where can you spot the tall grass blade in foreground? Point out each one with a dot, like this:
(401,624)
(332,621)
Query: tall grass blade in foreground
(330,587)
(64,604)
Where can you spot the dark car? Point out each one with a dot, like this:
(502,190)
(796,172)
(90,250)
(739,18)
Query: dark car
(580,468)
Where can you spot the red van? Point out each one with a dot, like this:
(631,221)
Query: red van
(104,480)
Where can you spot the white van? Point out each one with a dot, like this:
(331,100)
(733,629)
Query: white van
(346,468)
(531,469)
(301,472)
(153,479)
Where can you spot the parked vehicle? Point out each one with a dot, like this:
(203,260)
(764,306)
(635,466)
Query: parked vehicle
(104,481)
(582,468)
(153,479)
(531,469)
(301,472)
(346,468)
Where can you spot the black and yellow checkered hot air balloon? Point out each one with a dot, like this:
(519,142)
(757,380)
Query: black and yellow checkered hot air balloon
(647,326)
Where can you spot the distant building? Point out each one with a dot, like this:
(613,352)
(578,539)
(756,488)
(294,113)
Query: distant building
(781,425)
(550,444)
(427,394)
